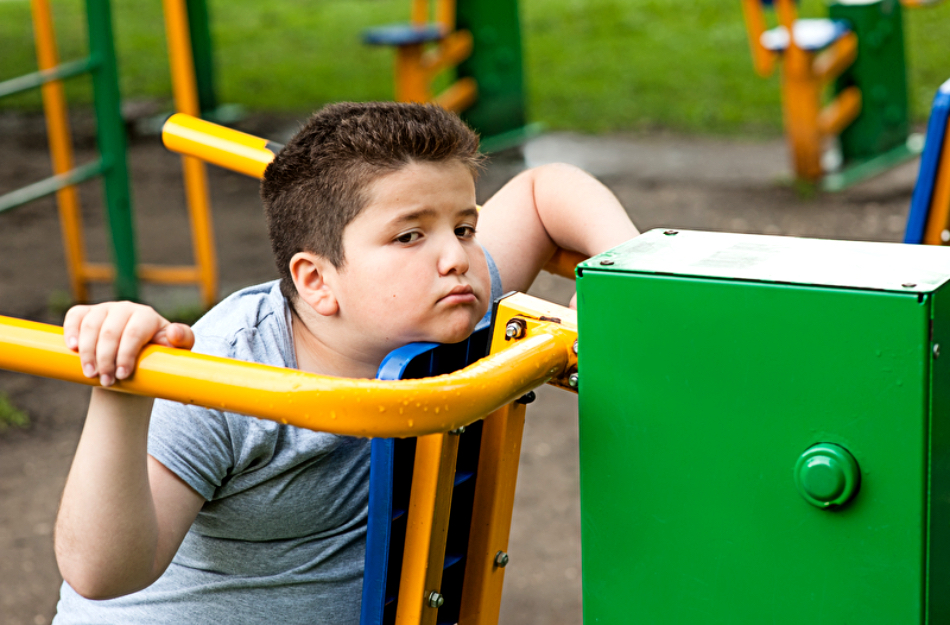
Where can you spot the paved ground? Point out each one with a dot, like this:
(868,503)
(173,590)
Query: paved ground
(664,181)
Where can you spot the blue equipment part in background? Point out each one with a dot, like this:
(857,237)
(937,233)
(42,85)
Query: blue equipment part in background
(929,166)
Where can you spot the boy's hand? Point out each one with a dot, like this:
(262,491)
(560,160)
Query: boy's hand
(110,336)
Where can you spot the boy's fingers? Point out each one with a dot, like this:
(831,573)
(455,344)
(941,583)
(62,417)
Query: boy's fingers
(573,303)
(180,336)
(88,336)
(138,330)
(71,323)
(110,336)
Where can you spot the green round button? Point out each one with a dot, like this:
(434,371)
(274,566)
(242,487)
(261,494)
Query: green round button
(827,475)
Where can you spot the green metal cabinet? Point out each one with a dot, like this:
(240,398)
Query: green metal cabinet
(709,364)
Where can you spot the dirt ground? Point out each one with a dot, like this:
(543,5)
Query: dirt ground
(664,181)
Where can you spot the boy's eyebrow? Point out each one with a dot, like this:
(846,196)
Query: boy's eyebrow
(429,212)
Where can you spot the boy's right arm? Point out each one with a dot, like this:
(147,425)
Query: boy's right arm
(123,514)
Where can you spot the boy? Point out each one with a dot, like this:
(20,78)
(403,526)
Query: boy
(193,515)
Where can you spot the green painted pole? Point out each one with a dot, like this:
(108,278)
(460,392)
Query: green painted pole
(202,51)
(110,132)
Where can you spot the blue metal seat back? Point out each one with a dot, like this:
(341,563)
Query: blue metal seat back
(930,167)
(390,481)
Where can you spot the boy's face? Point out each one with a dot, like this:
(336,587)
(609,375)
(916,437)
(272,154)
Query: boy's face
(413,270)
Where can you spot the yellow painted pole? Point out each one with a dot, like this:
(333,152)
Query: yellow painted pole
(427,526)
(763,60)
(185,91)
(352,407)
(61,148)
(938,219)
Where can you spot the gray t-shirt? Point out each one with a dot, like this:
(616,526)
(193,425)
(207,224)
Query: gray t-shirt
(282,535)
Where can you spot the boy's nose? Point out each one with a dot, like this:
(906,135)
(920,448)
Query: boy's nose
(453,258)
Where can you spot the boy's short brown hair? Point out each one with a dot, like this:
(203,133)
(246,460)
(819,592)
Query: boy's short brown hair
(317,183)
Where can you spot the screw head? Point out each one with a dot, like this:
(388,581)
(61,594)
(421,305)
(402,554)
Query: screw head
(527,398)
(573,380)
(909,285)
(606,262)
(936,350)
(501,559)
(459,430)
(670,233)
(436,600)
(575,348)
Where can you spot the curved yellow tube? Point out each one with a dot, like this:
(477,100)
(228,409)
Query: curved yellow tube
(353,407)
(218,145)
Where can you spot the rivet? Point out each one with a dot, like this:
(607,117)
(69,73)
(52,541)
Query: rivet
(670,233)
(436,600)
(573,379)
(575,348)
(501,559)
(527,398)
(515,329)
(459,430)
(909,285)
(606,262)
(945,236)
(936,350)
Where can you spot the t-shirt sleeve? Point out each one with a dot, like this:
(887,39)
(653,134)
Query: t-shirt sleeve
(193,442)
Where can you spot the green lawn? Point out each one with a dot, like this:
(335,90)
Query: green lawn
(591,65)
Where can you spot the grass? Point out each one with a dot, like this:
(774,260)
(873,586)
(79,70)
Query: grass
(591,65)
(10,415)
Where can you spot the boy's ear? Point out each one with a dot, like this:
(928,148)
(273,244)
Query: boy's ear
(309,272)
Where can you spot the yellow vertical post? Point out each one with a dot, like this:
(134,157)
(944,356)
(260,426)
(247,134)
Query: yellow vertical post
(938,218)
(61,148)
(430,501)
(491,519)
(185,91)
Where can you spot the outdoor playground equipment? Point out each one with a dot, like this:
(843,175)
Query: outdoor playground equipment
(764,429)
(929,218)
(477,43)
(859,50)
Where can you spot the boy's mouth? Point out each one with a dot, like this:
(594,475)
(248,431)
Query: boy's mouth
(460,294)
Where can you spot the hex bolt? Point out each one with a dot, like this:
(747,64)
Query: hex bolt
(501,559)
(515,329)
(936,350)
(436,600)
(527,398)
(573,379)
(670,233)
(459,430)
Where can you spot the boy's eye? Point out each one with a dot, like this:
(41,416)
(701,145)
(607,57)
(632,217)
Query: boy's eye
(409,237)
(465,232)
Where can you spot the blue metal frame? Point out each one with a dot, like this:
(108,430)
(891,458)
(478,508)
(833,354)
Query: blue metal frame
(929,166)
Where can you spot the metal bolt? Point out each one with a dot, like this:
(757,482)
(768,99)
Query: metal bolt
(459,430)
(501,559)
(515,329)
(573,379)
(670,232)
(436,600)
(909,285)
(936,350)
(527,398)
(606,262)
(945,236)
(575,348)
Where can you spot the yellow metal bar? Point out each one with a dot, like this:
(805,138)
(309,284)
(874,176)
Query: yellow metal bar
(427,526)
(61,148)
(840,112)
(353,407)
(829,64)
(452,50)
(763,60)
(218,145)
(459,95)
(185,91)
(564,262)
(938,219)
(163,274)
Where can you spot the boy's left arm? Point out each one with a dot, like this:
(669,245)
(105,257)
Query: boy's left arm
(545,208)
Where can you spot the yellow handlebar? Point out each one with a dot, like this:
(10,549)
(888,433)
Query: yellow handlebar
(353,407)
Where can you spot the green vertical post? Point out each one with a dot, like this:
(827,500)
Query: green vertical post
(880,72)
(202,50)
(496,65)
(110,132)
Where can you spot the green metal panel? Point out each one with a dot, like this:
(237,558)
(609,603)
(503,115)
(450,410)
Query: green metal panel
(110,133)
(202,51)
(938,591)
(880,73)
(698,394)
(495,64)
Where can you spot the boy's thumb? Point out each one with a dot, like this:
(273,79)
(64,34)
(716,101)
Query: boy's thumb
(180,335)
